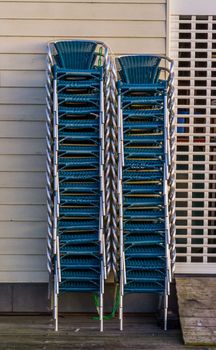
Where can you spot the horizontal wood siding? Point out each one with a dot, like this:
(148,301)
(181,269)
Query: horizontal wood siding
(25,28)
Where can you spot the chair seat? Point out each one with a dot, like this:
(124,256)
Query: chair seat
(154,152)
(63,85)
(144,214)
(148,100)
(76,98)
(153,113)
(161,85)
(80,263)
(71,135)
(80,123)
(143,125)
(144,239)
(70,72)
(144,227)
(72,250)
(79,187)
(77,111)
(73,199)
(142,189)
(69,162)
(82,149)
(79,238)
(74,175)
(146,138)
(142,175)
(74,225)
(82,286)
(143,164)
(145,276)
(144,287)
(133,251)
(80,275)
(146,264)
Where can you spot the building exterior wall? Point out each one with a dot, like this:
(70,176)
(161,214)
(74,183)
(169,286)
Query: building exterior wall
(193,44)
(25,28)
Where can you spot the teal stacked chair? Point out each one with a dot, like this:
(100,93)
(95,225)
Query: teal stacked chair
(78,118)
(143,178)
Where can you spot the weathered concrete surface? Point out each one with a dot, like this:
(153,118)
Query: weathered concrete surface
(197,309)
(81,332)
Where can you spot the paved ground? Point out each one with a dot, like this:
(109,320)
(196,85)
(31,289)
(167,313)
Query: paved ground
(81,332)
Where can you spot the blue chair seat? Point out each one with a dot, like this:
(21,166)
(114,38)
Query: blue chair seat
(84,225)
(80,275)
(60,72)
(133,251)
(140,188)
(69,162)
(142,100)
(67,249)
(71,135)
(80,263)
(146,138)
(80,212)
(142,175)
(79,187)
(143,125)
(79,238)
(143,164)
(160,86)
(154,152)
(74,175)
(71,150)
(62,111)
(146,264)
(144,214)
(78,84)
(79,199)
(140,227)
(144,113)
(76,98)
(82,286)
(80,123)
(146,239)
(144,287)
(145,276)
(147,202)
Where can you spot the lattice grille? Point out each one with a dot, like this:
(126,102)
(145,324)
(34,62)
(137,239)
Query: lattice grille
(194,52)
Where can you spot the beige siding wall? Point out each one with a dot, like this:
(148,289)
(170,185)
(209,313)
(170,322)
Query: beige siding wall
(25,27)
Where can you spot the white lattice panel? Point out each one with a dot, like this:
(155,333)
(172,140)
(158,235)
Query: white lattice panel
(193,47)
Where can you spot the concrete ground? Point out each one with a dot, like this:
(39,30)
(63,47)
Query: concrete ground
(81,332)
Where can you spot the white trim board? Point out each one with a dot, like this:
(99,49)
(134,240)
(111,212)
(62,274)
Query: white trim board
(195,268)
(193,7)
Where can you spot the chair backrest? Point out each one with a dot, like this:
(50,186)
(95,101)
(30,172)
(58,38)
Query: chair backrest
(75,54)
(141,69)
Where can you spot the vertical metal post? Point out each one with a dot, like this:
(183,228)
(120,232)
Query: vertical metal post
(102,210)
(166,209)
(55,311)
(120,202)
(165,311)
(171,181)
(101,297)
(49,175)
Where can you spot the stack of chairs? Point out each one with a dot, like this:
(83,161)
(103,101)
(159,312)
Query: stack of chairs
(143,178)
(78,168)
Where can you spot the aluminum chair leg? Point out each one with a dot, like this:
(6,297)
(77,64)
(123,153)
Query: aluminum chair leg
(55,310)
(121,312)
(165,311)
